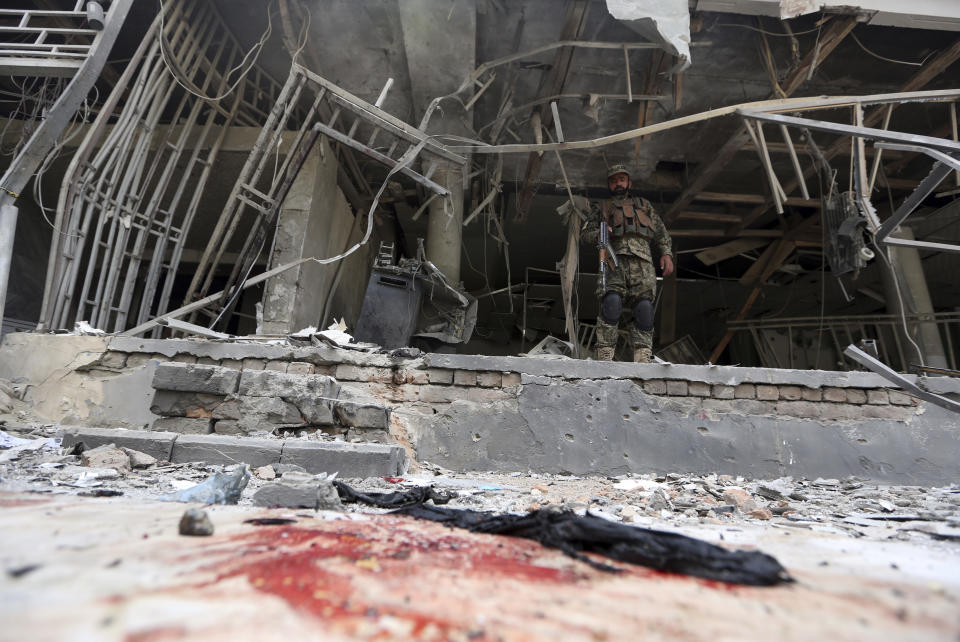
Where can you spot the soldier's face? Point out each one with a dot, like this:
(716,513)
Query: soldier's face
(619,184)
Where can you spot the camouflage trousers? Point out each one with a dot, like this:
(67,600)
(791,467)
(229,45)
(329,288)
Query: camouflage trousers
(633,279)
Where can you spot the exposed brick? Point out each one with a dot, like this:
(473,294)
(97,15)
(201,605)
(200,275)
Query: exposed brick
(745,391)
(299,367)
(183,357)
(899,413)
(228,427)
(837,395)
(698,389)
(791,393)
(439,375)
(752,407)
(490,379)
(328,370)
(856,395)
(276,366)
(233,364)
(677,388)
(811,394)
(802,409)
(168,403)
(840,412)
(207,361)
(721,391)
(464,378)
(113,359)
(347,372)
(878,397)
(768,393)
(410,375)
(511,379)
(655,387)
(899,399)
(253,364)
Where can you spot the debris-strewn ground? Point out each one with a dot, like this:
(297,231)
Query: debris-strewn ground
(871,559)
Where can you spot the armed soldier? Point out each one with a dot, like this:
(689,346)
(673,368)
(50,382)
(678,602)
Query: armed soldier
(628,277)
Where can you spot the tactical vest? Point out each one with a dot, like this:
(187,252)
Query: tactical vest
(629,217)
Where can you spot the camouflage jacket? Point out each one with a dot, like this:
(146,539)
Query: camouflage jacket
(637,229)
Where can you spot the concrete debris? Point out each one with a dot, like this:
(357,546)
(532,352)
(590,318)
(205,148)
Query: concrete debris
(220,488)
(106,456)
(265,472)
(139,459)
(195,522)
(83,328)
(299,490)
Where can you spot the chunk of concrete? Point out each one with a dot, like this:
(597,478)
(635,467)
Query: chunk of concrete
(155,444)
(299,490)
(171,403)
(139,459)
(349,460)
(188,377)
(362,415)
(269,383)
(106,456)
(221,449)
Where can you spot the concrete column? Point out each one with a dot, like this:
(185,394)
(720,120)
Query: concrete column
(314,220)
(916,300)
(445,225)
(8,229)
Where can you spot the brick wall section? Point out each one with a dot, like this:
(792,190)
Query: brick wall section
(410,382)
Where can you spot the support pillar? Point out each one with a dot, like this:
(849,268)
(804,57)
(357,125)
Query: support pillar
(8,229)
(916,300)
(445,225)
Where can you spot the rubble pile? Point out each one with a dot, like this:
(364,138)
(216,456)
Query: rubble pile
(848,507)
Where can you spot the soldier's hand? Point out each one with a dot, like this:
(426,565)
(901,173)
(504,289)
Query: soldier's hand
(666,265)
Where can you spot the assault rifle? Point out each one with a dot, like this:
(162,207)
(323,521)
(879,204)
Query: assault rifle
(607,253)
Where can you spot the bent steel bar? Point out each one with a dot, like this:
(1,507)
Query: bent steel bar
(898,379)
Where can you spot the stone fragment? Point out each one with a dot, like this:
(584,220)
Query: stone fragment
(767,393)
(745,391)
(740,498)
(195,378)
(811,394)
(170,403)
(836,395)
(655,387)
(441,376)
(878,397)
(228,427)
(283,469)
(464,378)
(184,425)
(856,396)
(362,415)
(265,472)
(659,500)
(721,391)
(139,459)
(791,393)
(292,387)
(294,492)
(156,444)
(106,456)
(195,522)
(698,389)
(761,513)
(6,402)
(677,388)
(252,412)
(490,379)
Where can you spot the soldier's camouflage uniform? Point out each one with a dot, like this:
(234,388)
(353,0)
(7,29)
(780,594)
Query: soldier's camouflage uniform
(636,239)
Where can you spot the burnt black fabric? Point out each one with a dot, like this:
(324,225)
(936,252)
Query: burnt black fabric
(574,535)
(396,499)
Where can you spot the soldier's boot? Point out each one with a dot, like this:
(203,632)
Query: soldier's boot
(605,353)
(642,355)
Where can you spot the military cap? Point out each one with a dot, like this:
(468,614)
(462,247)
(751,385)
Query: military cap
(618,169)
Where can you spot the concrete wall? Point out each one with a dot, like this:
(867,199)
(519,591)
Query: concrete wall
(550,415)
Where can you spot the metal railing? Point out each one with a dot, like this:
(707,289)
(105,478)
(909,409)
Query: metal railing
(44,42)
